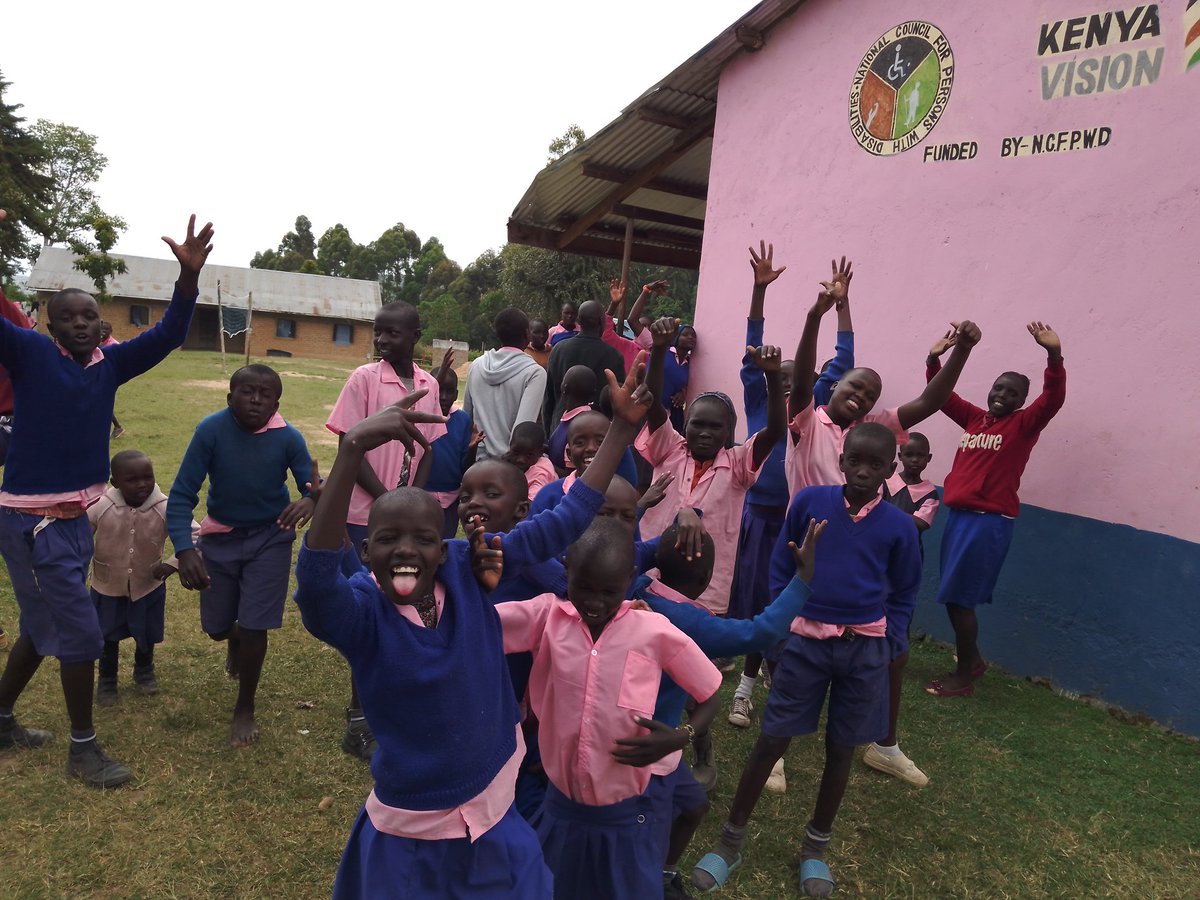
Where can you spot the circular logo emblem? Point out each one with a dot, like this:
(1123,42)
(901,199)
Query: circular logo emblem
(901,88)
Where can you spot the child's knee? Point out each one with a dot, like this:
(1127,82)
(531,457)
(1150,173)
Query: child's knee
(770,749)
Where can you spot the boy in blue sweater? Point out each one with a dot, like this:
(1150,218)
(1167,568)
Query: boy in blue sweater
(854,624)
(244,556)
(64,387)
(424,644)
(682,578)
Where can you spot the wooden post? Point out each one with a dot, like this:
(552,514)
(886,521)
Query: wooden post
(626,257)
(249,323)
(221,328)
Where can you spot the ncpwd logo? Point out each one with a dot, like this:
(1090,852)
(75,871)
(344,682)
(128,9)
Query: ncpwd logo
(901,88)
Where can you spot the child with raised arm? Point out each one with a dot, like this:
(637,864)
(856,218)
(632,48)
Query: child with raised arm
(423,641)
(981,494)
(864,590)
(682,577)
(129,524)
(625,346)
(597,663)
(63,389)
(242,560)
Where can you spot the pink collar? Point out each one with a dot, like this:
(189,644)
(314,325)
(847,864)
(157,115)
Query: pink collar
(97,354)
(276,421)
(659,589)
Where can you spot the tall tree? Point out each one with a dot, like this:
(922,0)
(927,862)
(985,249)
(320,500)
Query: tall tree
(565,143)
(296,252)
(395,252)
(73,165)
(24,187)
(92,256)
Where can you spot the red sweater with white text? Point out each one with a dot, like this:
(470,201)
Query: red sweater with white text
(992,453)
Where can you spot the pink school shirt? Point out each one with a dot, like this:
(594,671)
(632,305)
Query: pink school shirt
(811,458)
(559,329)
(540,474)
(472,819)
(822,631)
(368,389)
(719,492)
(586,694)
(927,510)
(628,348)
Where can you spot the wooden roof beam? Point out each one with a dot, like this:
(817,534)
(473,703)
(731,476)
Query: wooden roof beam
(699,131)
(642,214)
(607,247)
(661,117)
(663,185)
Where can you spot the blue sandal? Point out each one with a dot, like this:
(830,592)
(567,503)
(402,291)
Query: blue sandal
(814,870)
(714,866)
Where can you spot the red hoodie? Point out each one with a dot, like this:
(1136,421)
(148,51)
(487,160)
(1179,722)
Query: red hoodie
(12,312)
(992,453)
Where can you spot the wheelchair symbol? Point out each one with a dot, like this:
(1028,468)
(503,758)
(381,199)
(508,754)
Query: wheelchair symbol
(896,70)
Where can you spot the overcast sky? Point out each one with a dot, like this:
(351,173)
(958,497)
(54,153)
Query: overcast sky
(251,113)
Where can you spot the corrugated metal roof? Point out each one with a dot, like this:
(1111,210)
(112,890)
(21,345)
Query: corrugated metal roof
(667,130)
(282,292)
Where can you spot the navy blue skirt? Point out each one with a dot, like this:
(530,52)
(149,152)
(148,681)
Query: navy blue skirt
(601,852)
(141,620)
(751,590)
(974,546)
(504,863)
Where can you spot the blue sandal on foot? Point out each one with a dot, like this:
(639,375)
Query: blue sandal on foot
(815,870)
(714,866)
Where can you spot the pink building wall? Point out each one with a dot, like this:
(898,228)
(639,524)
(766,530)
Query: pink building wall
(1102,243)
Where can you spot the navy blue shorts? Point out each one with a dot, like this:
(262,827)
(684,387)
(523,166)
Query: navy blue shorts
(503,863)
(974,546)
(249,568)
(854,673)
(601,852)
(48,562)
(140,619)
(673,795)
(751,590)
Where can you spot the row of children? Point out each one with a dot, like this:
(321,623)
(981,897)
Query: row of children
(441,789)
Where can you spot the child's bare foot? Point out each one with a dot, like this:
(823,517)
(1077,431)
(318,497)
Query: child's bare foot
(245,730)
(951,684)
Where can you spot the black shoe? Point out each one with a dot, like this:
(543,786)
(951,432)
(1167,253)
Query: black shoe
(143,678)
(90,764)
(13,734)
(673,888)
(359,740)
(106,690)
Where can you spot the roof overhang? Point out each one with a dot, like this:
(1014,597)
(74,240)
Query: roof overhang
(641,182)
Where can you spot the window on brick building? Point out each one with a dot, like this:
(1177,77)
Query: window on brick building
(343,334)
(285,328)
(139,315)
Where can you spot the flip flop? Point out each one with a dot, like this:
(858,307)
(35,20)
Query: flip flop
(938,689)
(714,866)
(815,870)
(979,671)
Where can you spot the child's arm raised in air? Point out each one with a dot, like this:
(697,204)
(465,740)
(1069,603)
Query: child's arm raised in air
(396,422)
(1054,382)
(941,386)
(653,288)
(843,354)
(769,359)
(662,332)
(955,408)
(754,387)
(831,294)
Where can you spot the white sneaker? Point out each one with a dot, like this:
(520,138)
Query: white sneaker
(898,765)
(739,712)
(777,782)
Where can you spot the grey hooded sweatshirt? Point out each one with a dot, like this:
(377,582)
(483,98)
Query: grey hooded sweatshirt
(504,387)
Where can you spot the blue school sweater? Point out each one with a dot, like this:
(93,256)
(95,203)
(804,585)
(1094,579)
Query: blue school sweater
(247,475)
(450,454)
(718,636)
(864,570)
(62,412)
(771,486)
(439,700)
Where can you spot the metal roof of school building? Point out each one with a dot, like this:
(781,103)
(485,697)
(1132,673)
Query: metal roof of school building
(649,166)
(278,292)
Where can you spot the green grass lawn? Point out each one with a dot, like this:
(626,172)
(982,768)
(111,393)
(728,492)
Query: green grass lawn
(1032,795)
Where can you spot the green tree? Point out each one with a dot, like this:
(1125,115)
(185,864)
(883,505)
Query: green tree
(92,256)
(73,165)
(565,143)
(395,251)
(295,252)
(478,279)
(24,188)
(441,318)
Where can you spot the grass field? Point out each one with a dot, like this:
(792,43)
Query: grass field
(1032,794)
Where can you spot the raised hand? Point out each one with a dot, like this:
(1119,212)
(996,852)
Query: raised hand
(396,422)
(194,250)
(1046,337)
(656,287)
(967,334)
(487,563)
(662,331)
(630,400)
(945,342)
(763,265)
(649,748)
(447,363)
(838,285)
(477,437)
(806,554)
(766,357)
(616,291)
(657,490)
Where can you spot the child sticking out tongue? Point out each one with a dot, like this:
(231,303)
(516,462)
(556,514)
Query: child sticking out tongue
(404,580)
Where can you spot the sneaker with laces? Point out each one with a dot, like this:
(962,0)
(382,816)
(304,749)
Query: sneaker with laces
(13,734)
(777,781)
(739,712)
(90,764)
(145,680)
(106,690)
(359,740)
(897,765)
